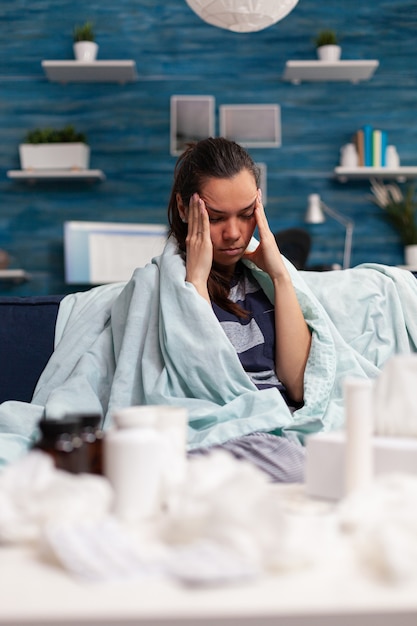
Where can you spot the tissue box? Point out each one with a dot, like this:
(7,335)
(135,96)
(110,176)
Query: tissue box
(325,461)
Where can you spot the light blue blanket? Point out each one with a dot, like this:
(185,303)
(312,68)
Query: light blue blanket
(154,340)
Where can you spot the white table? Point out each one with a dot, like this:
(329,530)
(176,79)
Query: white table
(339,593)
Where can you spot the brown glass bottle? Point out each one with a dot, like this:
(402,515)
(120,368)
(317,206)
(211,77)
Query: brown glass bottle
(62,440)
(92,436)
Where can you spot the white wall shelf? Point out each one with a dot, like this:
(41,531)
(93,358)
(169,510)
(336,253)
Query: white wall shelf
(351,71)
(96,71)
(14,276)
(34,175)
(359,173)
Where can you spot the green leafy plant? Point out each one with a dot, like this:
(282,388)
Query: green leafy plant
(400,209)
(85,32)
(326,38)
(51,135)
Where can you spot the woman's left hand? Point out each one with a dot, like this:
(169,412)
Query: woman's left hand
(267,255)
(292,336)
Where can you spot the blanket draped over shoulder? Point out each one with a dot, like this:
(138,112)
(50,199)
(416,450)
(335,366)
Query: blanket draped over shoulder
(154,340)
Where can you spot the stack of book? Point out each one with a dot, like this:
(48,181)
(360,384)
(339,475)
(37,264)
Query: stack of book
(371,144)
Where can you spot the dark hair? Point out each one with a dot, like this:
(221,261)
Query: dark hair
(215,157)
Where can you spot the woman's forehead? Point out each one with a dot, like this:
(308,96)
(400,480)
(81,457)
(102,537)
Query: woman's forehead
(224,194)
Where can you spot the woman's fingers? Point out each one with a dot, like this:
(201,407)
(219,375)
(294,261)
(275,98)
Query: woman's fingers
(193,215)
(199,246)
(198,221)
(261,219)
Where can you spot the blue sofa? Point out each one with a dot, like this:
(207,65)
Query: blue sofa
(27,331)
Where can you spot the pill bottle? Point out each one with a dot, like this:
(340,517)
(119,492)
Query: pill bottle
(61,438)
(92,435)
(132,463)
(170,422)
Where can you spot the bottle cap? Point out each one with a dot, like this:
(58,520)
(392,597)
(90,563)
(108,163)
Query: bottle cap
(87,420)
(53,427)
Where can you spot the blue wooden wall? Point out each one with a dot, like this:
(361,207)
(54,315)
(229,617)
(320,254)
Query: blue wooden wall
(176,53)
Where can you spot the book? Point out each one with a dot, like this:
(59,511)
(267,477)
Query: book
(358,140)
(384,143)
(376,148)
(367,136)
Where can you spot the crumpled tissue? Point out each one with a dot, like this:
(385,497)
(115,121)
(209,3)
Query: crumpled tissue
(34,493)
(382,522)
(395,400)
(227,502)
(220,525)
(223,523)
(228,507)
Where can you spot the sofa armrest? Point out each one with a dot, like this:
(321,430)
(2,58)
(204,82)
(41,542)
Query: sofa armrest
(27,332)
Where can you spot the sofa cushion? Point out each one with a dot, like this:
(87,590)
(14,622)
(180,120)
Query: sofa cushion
(27,331)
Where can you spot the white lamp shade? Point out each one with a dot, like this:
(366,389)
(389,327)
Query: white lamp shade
(314,213)
(242,16)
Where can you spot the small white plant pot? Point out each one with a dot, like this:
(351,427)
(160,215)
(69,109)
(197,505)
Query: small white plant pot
(85,51)
(410,255)
(329,53)
(54,156)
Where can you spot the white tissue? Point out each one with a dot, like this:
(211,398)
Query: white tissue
(395,397)
(102,550)
(382,521)
(33,493)
(227,502)
(223,523)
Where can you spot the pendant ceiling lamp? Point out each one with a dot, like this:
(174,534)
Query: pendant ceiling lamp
(242,16)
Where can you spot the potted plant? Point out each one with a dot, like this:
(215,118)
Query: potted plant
(327,46)
(85,47)
(400,209)
(49,148)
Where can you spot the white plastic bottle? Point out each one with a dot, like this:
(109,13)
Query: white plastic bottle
(359,427)
(133,463)
(171,424)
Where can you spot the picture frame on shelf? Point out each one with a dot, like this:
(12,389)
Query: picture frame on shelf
(251,125)
(263,181)
(192,119)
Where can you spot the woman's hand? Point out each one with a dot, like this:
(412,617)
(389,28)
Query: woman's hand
(199,246)
(267,255)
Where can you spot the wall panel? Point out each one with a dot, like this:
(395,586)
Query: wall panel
(176,53)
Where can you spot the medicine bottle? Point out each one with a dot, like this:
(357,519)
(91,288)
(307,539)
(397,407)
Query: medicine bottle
(92,435)
(133,460)
(61,438)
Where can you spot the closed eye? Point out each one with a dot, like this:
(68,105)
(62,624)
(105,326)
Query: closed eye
(248,217)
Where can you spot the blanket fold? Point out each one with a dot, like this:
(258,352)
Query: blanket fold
(154,340)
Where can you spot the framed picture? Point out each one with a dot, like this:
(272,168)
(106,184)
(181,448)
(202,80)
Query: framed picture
(263,182)
(192,119)
(251,125)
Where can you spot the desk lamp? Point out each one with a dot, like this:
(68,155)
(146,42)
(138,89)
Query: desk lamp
(315,215)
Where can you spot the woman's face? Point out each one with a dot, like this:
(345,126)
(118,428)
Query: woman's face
(230,204)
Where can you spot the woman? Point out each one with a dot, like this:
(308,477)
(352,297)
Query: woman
(214,208)
(156,339)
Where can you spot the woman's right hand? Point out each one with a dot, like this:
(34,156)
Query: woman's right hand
(199,247)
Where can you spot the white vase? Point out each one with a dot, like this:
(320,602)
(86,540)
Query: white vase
(392,158)
(330,53)
(85,51)
(349,155)
(410,255)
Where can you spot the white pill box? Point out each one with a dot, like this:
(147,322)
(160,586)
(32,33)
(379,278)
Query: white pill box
(325,461)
